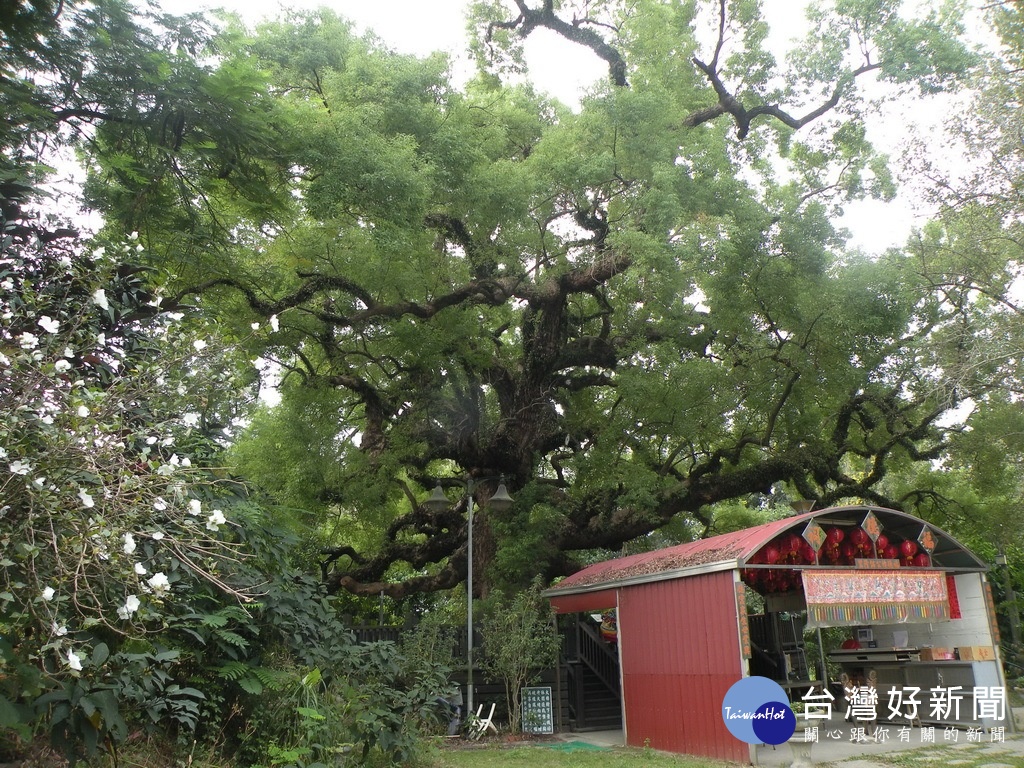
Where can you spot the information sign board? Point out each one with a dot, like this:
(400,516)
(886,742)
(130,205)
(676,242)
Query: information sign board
(538,716)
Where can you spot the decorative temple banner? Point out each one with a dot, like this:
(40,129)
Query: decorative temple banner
(744,621)
(954,599)
(844,598)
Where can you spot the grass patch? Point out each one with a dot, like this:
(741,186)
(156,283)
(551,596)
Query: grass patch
(945,757)
(566,756)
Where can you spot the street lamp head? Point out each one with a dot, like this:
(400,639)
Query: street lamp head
(500,501)
(437,502)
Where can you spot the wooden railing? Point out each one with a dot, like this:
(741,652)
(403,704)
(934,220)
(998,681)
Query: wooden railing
(374,634)
(368,634)
(601,656)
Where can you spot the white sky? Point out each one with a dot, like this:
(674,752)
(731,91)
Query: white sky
(563,70)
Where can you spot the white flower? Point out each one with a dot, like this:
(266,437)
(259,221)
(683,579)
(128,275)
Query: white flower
(131,605)
(133,236)
(157,535)
(129,543)
(190,419)
(65,261)
(158,583)
(83,411)
(215,520)
(87,500)
(48,324)
(59,629)
(101,339)
(3,452)
(19,467)
(99,252)
(274,325)
(140,569)
(186,461)
(159,504)
(28,340)
(195,507)
(48,593)
(62,366)
(199,344)
(7,285)
(255,326)
(74,661)
(99,297)
(69,352)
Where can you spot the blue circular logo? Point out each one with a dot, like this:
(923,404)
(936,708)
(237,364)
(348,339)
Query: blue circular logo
(756,710)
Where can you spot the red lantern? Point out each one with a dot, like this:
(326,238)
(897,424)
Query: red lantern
(908,548)
(848,550)
(834,535)
(771,554)
(921,560)
(882,542)
(808,552)
(891,552)
(859,537)
(793,543)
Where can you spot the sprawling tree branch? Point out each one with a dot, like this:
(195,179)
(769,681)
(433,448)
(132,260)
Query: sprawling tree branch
(530,19)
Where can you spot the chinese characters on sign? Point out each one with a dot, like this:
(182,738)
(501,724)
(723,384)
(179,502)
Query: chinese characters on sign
(864,705)
(537,710)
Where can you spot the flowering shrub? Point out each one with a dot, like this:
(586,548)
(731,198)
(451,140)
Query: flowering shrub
(105,518)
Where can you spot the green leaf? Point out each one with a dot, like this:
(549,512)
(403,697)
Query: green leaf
(100,654)
(9,715)
(251,685)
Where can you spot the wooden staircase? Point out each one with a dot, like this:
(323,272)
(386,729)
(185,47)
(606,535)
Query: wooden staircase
(595,699)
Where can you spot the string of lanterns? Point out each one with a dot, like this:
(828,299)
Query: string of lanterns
(833,545)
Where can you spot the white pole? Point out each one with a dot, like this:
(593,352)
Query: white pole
(469,605)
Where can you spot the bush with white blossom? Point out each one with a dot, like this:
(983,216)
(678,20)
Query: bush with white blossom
(104,516)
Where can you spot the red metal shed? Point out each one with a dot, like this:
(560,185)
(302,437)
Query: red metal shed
(682,626)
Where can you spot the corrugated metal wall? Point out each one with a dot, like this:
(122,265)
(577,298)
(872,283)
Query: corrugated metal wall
(680,654)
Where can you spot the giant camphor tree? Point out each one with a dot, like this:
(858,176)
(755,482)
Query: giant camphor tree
(629,312)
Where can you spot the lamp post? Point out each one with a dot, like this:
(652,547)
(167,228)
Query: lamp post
(500,502)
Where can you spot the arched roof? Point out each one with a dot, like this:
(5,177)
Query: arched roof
(737,549)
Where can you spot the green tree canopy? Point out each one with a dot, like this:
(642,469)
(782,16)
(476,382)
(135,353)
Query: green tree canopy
(630,312)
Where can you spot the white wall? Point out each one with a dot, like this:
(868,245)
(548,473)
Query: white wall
(971,629)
